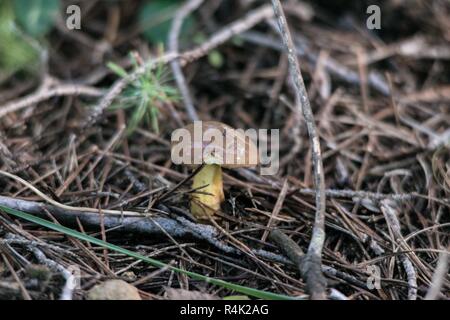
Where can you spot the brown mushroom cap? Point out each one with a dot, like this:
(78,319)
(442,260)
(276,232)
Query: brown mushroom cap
(218,143)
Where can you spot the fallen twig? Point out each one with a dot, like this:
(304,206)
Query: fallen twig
(121,84)
(45,93)
(177,22)
(248,21)
(177,226)
(60,205)
(138,224)
(394,225)
(359,194)
(316,283)
(438,277)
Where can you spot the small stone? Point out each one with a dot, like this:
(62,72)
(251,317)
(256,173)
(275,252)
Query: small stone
(113,290)
(129,275)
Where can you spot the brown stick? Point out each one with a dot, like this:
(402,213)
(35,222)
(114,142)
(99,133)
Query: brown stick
(312,265)
(177,227)
(181,14)
(237,27)
(47,93)
(394,225)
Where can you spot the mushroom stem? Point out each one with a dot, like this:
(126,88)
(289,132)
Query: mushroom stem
(208,191)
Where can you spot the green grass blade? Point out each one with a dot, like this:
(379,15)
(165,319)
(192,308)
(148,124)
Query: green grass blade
(81,236)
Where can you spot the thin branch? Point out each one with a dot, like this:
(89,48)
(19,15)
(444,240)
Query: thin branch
(315,280)
(11,238)
(248,21)
(276,209)
(46,93)
(440,273)
(60,205)
(177,227)
(122,83)
(177,22)
(394,225)
(359,195)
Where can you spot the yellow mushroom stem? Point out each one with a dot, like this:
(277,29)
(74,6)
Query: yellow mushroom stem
(208,193)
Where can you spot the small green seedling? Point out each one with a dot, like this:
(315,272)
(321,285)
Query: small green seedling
(144,95)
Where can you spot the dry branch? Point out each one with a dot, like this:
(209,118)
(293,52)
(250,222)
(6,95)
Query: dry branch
(140,224)
(177,22)
(316,283)
(394,225)
(439,276)
(45,93)
(175,226)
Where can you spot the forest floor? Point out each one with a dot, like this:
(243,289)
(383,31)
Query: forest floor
(88,188)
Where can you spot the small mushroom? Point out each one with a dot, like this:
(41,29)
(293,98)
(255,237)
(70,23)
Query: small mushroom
(214,145)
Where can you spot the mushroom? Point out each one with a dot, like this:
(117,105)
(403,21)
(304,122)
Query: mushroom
(214,145)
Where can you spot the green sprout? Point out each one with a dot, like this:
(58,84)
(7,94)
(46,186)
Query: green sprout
(144,95)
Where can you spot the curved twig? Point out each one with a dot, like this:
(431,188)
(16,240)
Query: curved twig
(45,93)
(315,280)
(394,225)
(177,22)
